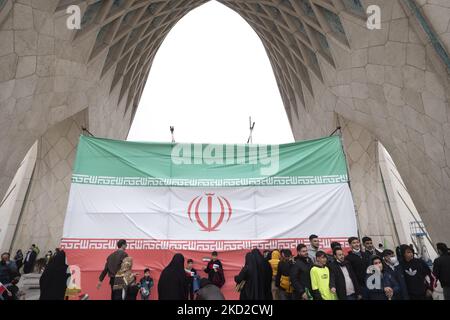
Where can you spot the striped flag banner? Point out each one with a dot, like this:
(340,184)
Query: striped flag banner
(165,198)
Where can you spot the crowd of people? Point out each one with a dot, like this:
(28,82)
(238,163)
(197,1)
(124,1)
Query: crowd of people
(314,273)
(53,268)
(361,273)
(178,281)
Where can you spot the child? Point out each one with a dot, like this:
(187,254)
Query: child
(145,285)
(322,281)
(192,278)
(215,271)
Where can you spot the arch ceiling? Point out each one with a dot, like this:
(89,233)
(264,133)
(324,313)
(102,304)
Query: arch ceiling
(294,33)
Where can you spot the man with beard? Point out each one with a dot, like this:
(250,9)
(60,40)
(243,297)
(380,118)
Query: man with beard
(347,287)
(359,261)
(369,248)
(313,247)
(300,274)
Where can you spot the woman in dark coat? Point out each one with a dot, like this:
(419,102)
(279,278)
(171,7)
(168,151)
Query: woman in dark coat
(18,258)
(267,276)
(53,282)
(173,284)
(254,273)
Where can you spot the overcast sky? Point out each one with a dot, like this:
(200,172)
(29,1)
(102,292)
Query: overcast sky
(210,74)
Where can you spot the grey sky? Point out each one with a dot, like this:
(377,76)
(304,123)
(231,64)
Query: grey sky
(210,74)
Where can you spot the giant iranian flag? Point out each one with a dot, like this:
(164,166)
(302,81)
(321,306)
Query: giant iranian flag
(193,199)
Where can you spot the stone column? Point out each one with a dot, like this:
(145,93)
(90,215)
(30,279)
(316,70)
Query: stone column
(12,203)
(42,219)
(373,212)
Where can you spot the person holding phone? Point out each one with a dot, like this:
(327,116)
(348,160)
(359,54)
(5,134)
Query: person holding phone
(214,270)
(192,278)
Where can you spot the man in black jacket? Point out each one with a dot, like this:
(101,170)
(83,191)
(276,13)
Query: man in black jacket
(283,275)
(300,273)
(8,268)
(392,266)
(369,248)
(330,257)
(112,266)
(359,261)
(416,271)
(191,275)
(30,260)
(347,287)
(215,272)
(441,268)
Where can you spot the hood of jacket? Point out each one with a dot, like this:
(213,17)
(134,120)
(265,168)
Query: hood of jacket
(276,255)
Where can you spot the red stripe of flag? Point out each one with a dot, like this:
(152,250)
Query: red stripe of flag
(2,288)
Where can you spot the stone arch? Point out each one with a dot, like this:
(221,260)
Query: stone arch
(393,83)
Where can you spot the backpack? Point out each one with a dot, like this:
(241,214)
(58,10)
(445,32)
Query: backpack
(285,284)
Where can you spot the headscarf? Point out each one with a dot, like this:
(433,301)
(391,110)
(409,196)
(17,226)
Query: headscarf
(58,262)
(255,286)
(53,282)
(177,264)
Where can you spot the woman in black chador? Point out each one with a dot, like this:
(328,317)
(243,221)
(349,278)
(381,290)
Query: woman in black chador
(53,282)
(173,284)
(257,277)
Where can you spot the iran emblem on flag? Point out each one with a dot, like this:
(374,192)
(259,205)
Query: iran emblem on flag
(209,227)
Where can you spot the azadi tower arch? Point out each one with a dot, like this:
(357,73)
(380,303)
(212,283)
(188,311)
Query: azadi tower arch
(389,85)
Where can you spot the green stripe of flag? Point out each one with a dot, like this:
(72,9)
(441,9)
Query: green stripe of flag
(112,158)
